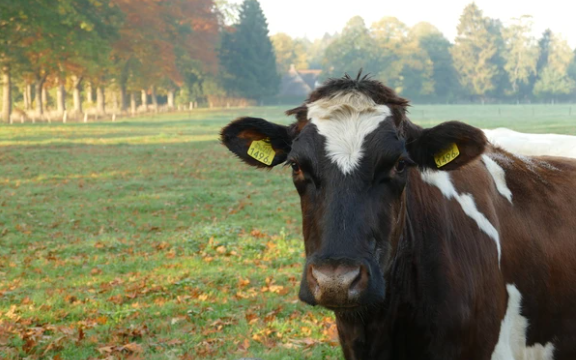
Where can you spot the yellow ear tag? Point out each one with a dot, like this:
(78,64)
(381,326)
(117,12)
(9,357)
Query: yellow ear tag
(262,151)
(444,157)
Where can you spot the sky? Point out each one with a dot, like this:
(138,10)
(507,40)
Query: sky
(313,18)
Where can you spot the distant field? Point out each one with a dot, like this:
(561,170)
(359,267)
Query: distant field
(560,119)
(145,238)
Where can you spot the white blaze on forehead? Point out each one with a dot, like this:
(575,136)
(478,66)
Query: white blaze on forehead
(345,120)
(441,179)
(498,176)
(512,340)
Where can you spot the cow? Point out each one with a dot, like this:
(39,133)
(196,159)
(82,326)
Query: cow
(425,243)
(533,144)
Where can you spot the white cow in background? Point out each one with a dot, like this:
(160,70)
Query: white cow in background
(532,144)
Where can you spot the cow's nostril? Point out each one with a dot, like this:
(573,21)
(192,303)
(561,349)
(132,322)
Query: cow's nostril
(359,284)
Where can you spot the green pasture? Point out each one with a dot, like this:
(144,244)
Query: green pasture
(145,239)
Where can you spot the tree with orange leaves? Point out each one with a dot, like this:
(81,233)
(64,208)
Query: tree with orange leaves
(45,38)
(157,38)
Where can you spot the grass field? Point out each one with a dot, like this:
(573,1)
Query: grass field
(146,239)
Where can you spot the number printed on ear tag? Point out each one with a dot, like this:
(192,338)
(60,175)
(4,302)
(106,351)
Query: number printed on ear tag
(262,151)
(444,157)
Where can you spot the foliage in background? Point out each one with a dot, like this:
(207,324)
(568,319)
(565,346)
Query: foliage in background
(132,55)
(473,51)
(521,53)
(289,52)
(554,80)
(247,56)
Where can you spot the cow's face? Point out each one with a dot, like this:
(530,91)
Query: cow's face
(351,153)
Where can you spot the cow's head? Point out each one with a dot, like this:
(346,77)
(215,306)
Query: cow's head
(351,152)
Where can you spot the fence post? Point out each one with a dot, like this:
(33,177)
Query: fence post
(114,117)
(65,117)
(85,117)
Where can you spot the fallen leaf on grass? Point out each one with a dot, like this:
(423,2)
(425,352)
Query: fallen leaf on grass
(133,348)
(244,345)
(243,282)
(306,343)
(257,233)
(251,317)
(174,342)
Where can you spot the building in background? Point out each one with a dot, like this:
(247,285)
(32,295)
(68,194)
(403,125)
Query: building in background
(297,84)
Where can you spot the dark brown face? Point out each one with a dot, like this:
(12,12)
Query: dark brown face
(351,152)
(350,196)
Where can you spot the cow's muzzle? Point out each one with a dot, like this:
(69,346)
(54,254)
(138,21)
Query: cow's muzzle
(335,284)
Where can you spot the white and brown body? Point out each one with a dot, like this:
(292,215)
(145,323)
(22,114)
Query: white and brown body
(475,260)
(449,297)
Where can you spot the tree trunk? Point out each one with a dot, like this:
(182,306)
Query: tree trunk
(28,91)
(144,100)
(77,82)
(123,97)
(114,102)
(133,102)
(154,99)
(89,95)
(44,96)
(38,86)
(61,96)
(7,93)
(26,97)
(100,100)
(171,99)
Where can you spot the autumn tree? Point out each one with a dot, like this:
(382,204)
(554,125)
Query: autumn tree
(554,80)
(521,52)
(500,80)
(227,11)
(473,52)
(444,75)
(247,55)
(13,29)
(543,48)
(315,50)
(353,50)
(289,52)
(390,36)
(22,24)
(159,43)
(404,65)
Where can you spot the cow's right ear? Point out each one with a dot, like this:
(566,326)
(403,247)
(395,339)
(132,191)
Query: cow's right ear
(257,142)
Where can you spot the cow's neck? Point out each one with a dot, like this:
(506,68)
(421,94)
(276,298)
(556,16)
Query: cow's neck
(401,328)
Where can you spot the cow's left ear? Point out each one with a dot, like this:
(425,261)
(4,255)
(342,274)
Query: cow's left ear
(447,146)
(257,142)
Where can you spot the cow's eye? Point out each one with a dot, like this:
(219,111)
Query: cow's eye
(400,166)
(295,166)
